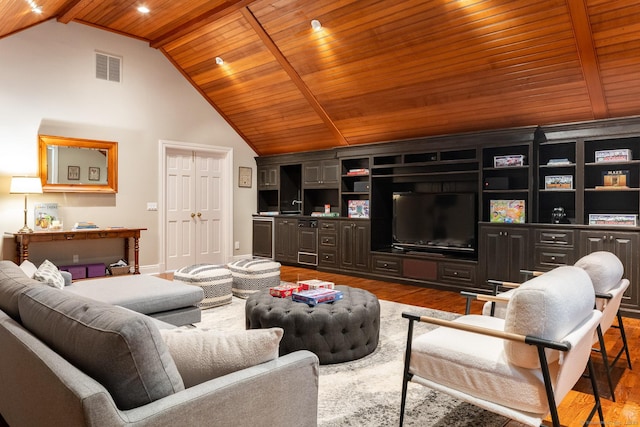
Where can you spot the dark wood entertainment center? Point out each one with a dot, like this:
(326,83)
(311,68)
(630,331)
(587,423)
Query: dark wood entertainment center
(462,163)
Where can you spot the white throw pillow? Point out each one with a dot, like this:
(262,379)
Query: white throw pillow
(48,273)
(202,354)
(29,268)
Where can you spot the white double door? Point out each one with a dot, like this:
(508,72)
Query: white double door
(195,224)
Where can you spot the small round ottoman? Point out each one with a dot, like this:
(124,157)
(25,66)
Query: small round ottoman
(252,275)
(336,332)
(215,280)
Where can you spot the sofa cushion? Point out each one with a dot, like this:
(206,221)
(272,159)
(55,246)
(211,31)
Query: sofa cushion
(548,306)
(49,274)
(13,282)
(120,349)
(142,293)
(604,268)
(202,354)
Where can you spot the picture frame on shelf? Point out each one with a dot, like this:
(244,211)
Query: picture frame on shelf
(358,209)
(613,219)
(508,161)
(507,211)
(558,182)
(615,179)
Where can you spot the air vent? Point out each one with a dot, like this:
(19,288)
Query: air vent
(108,67)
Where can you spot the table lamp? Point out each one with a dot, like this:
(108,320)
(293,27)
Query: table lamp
(25,185)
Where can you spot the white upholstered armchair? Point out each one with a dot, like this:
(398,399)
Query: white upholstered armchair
(519,366)
(606,272)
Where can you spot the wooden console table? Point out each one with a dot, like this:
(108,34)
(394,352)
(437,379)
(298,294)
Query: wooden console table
(23,240)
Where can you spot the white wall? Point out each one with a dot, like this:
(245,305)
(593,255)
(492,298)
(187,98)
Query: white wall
(48,86)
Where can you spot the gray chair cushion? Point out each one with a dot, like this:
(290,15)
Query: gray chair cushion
(13,281)
(120,349)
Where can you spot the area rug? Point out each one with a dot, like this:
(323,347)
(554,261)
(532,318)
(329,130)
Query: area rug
(366,392)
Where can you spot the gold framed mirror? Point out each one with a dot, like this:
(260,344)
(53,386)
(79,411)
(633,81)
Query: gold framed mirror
(77,165)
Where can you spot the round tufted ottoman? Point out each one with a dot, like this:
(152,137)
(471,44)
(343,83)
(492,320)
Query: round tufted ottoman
(344,330)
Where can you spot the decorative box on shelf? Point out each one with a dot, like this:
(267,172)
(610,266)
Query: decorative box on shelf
(618,155)
(508,161)
(558,182)
(614,179)
(509,211)
(613,219)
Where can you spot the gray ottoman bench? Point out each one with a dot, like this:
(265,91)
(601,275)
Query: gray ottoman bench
(215,280)
(171,302)
(341,331)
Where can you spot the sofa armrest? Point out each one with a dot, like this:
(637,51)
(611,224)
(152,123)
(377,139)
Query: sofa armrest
(67,277)
(282,392)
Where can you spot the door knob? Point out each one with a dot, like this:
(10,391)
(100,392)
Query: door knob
(199,214)
(193,215)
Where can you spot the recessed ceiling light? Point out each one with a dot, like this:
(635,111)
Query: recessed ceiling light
(316,25)
(143,9)
(219,60)
(34,7)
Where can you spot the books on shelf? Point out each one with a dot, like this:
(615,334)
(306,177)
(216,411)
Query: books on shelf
(613,219)
(361,171)
(317,296)
(558,162)
(330,214)
(84,225)
(618,155)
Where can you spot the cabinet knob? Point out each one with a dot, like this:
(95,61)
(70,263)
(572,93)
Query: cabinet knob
(553,237)
(553,258)
(455,273)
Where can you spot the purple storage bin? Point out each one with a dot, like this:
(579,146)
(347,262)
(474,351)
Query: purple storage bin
(77,271)
(96,270)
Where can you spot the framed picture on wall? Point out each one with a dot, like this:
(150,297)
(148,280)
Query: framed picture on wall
(244,177)
(94,173)
(73,173)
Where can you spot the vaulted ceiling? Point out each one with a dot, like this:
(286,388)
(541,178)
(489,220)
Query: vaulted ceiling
(380,70)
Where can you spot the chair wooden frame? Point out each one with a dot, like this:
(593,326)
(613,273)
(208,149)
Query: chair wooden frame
(540,343)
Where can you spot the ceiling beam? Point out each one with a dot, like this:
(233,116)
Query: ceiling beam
(226,8)
(294,76)
(588,58)
(70,10)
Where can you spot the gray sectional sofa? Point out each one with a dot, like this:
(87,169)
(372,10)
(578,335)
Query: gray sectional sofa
(67,360)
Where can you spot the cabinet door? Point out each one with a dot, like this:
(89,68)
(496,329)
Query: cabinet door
(268,177)
(625,246)
(286,246)
(504,252)
(263,238)
(355,242)
(321,174)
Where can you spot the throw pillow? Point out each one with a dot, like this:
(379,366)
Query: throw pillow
(29,268)
(48,273)
(120,349)
(202,354)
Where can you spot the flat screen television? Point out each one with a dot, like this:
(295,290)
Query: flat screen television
(435,221)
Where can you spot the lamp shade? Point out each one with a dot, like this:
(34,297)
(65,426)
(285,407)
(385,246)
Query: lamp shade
(25,185)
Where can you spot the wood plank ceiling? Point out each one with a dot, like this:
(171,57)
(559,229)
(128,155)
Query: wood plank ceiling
(381,70)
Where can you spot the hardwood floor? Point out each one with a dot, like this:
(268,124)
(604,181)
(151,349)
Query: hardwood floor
(576,405)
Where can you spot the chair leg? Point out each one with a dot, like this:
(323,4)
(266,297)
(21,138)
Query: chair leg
(596,395)
(406,376)
(546,376)
(605,360)
(623,335)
